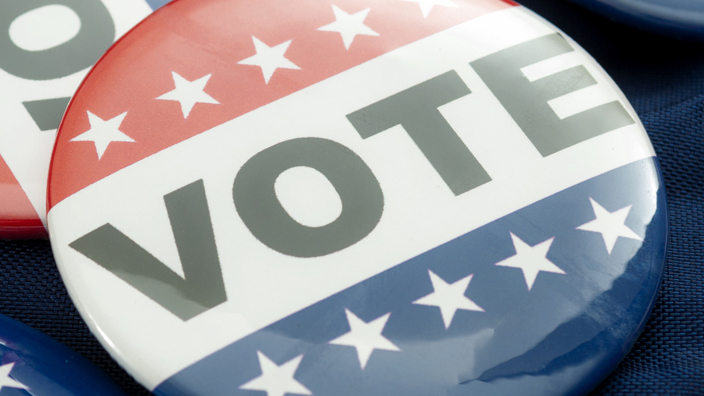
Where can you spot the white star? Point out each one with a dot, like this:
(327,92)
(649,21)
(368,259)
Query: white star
(365,337)
(5,380)
(427,5)
(349,26)
(610,225)
(531,259)
(449,297)
(102,133)
(277,380)
(269,58)
(188,93)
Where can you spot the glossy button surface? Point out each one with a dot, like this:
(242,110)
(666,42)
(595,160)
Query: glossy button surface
(33,364)
(678,18)
(357,197)
(46,49)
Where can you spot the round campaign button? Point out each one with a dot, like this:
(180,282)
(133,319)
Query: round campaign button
(375,197)
(678,18)
(46,49)
(33,364)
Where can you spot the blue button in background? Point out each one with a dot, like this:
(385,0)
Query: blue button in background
(677,18)
(32,363)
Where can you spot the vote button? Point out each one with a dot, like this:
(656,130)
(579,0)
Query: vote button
(357,197)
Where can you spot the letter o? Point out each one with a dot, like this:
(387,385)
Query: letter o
(95,36)
(257,204)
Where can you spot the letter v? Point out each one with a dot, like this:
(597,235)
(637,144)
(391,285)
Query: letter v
(202,287)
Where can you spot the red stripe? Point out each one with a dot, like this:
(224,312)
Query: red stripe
(197,38)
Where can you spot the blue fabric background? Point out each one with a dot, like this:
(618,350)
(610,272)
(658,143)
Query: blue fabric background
(664,80)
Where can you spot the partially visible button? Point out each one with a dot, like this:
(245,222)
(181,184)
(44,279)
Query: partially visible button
(46,48)
(33,364)
(677,18)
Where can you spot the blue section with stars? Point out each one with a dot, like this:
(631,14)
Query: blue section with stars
(545,300)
